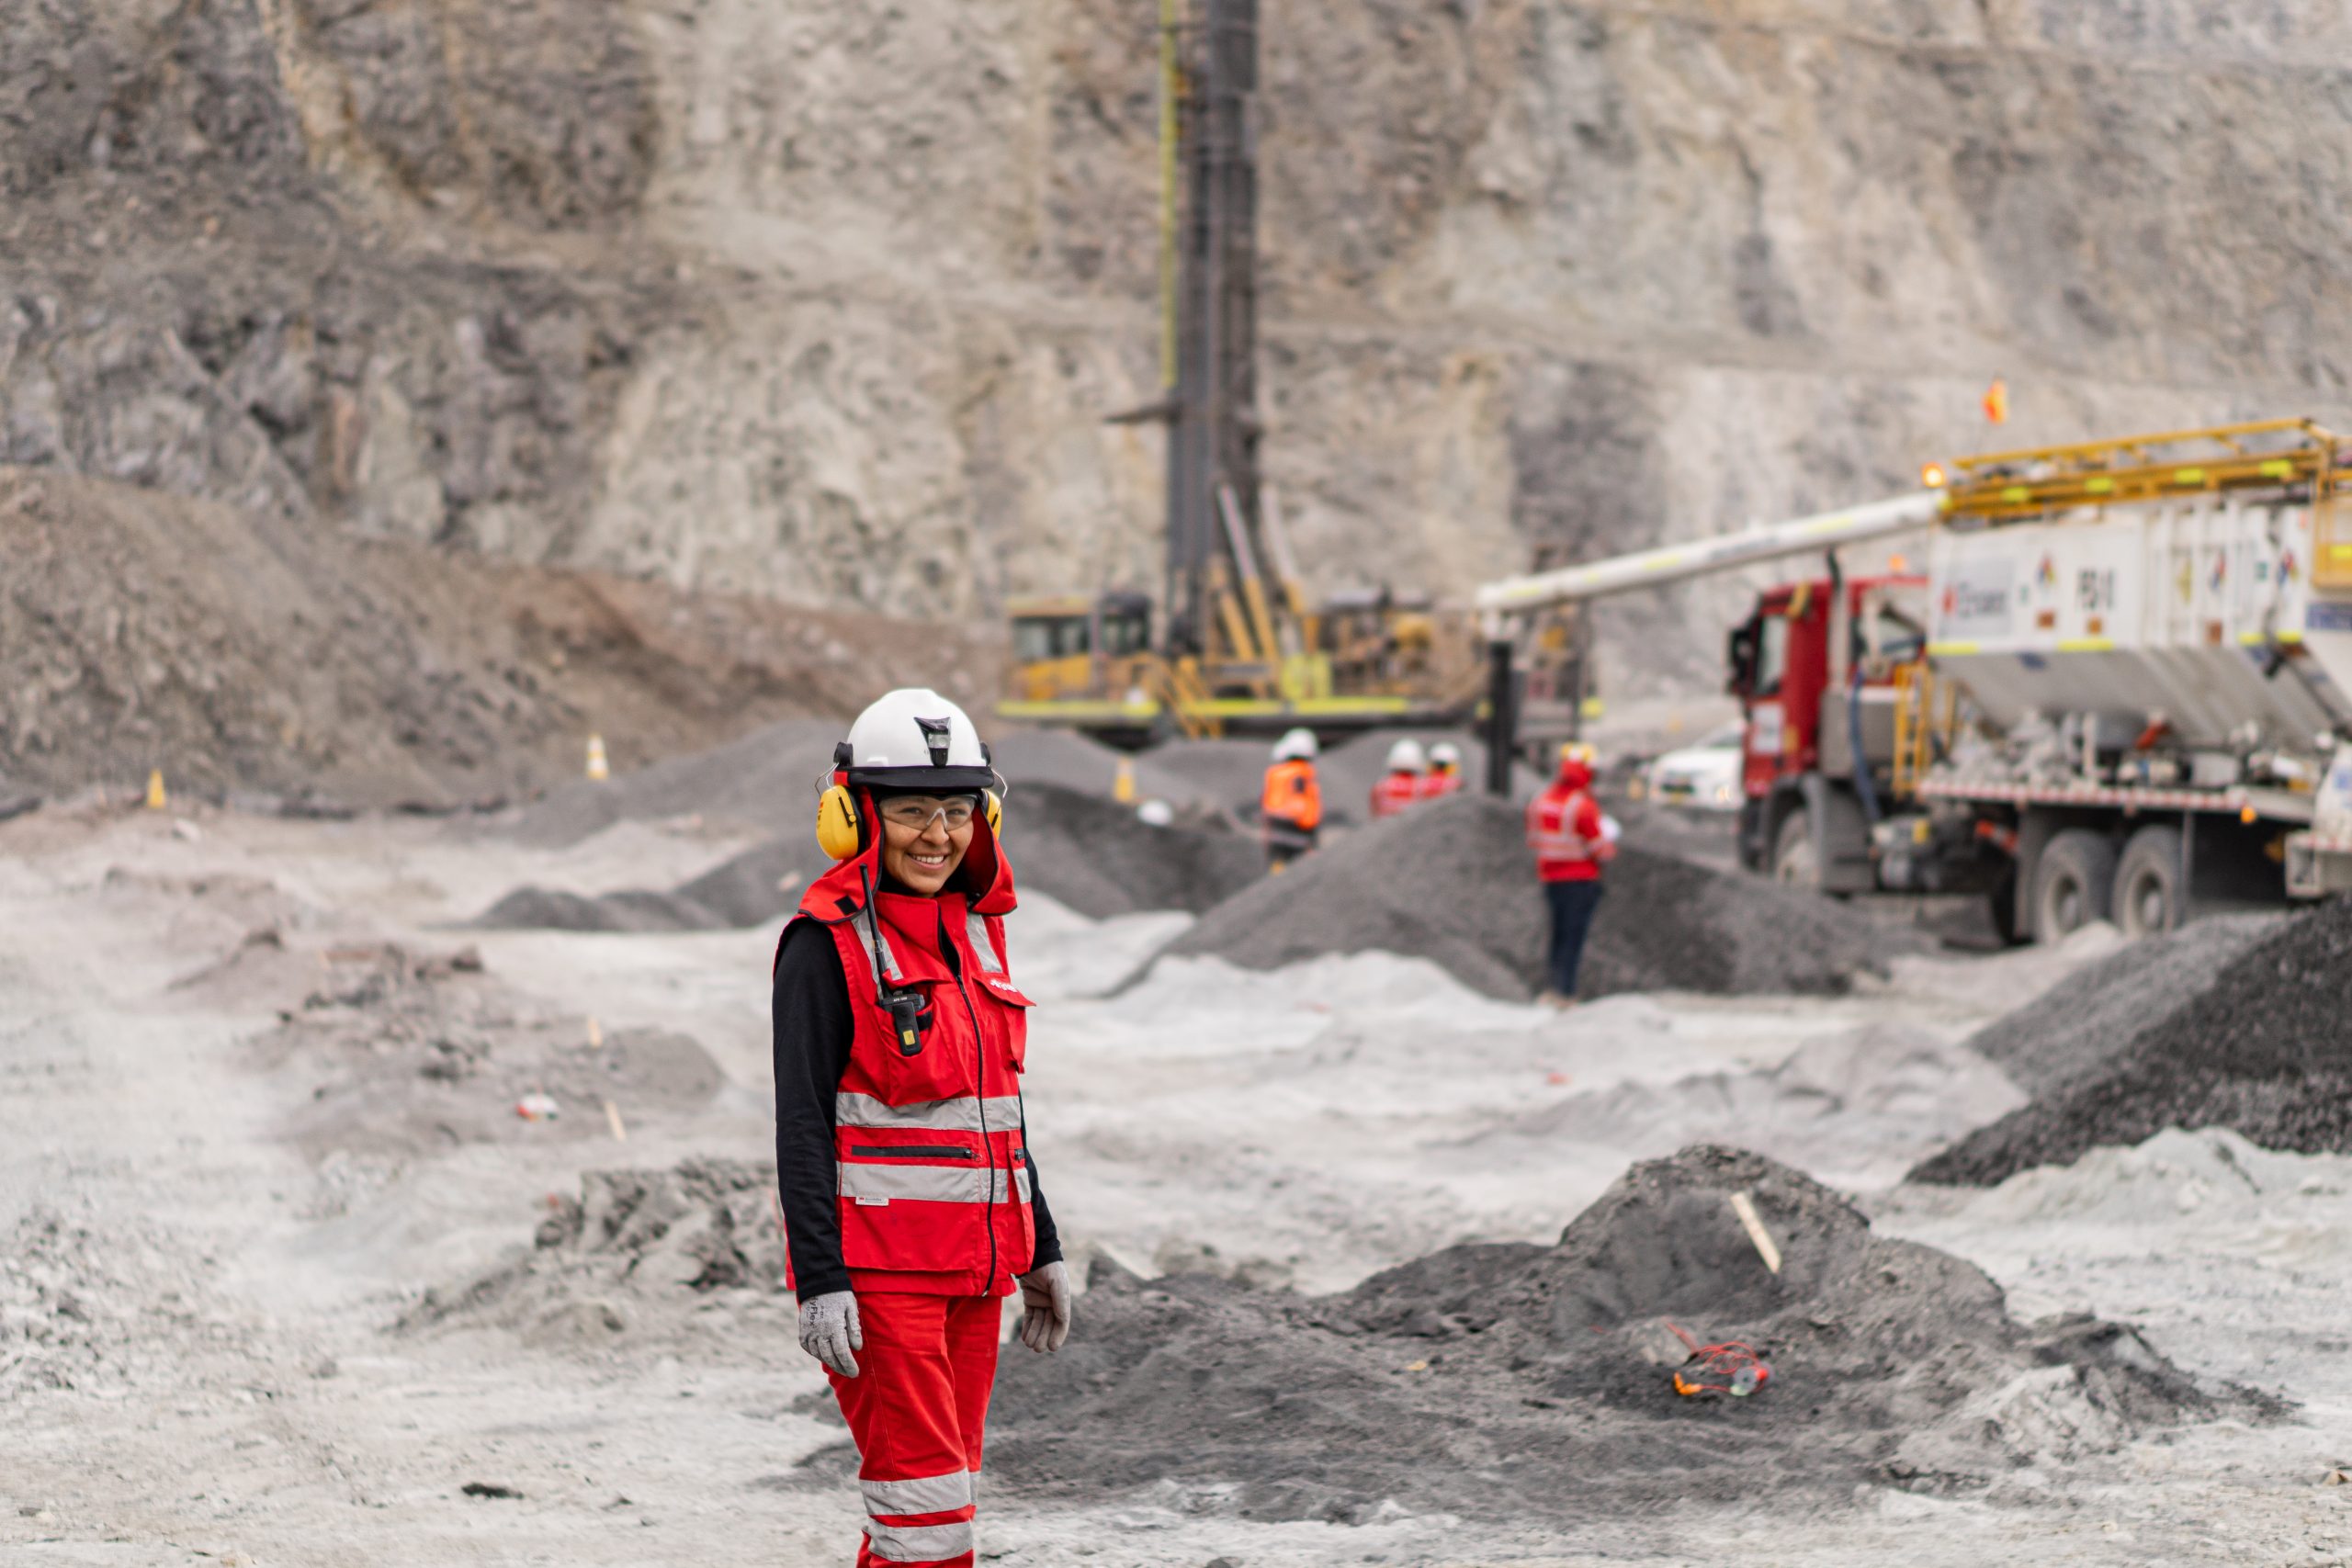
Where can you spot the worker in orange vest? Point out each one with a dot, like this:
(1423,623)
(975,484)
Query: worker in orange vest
(1444,776)
(1401,785)
(1290,806)
(1571,840)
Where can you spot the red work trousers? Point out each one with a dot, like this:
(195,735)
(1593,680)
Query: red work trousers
(917,1408)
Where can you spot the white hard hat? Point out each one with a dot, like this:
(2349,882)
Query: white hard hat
(1446,753)
(1405,757)
(915,738)
(1296,745)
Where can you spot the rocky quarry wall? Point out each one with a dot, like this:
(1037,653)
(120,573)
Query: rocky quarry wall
(827,302)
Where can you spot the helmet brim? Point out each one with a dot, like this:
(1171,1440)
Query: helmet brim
(922,780)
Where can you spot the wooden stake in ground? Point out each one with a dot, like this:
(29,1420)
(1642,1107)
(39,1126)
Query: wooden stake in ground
(612,1119)
(1745,1207)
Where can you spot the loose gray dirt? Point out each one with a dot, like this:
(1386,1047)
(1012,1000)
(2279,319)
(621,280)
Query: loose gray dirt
(1452,882)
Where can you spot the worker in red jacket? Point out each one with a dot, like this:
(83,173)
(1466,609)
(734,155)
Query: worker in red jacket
(909,1196)
(1444,776)
(1400,786)
(1570,838)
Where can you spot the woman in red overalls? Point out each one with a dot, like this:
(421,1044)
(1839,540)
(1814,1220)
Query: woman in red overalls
(911,1199)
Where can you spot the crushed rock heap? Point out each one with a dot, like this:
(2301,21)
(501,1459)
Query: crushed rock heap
(1524,1381)
(699,1226)
(1092,854)
(2263,1046)
(1527,1382)
(1452,882)
(396,1054)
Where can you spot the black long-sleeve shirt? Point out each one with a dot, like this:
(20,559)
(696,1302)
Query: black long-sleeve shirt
(813,1029)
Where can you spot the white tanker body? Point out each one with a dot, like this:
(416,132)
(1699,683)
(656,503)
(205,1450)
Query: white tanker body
(2155,653)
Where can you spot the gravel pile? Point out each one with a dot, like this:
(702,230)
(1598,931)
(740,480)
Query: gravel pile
(1100,859)
(532,907)
(2079,1027)
(1064,760)
(1452,882)
(2263,1048)
(393,1053)
(764,779)
(701,1226)
(1532,1383)
(1091,854)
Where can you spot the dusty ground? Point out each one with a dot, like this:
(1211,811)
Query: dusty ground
(198,1281)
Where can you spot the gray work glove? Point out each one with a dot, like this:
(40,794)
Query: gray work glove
(1045,1294)
(829,1331)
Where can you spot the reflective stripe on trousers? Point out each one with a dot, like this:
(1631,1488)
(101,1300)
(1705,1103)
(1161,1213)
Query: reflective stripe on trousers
(898,1526)
(919,1543)
(931,1494)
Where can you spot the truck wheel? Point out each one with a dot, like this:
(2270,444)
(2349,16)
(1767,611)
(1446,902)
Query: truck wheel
(2073,885)
(2147,883)
(1794,859)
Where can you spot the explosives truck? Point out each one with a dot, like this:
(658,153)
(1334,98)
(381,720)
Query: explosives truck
(2121,689)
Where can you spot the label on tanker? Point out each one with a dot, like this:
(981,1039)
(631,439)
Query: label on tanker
(1976,601)
(1764,730)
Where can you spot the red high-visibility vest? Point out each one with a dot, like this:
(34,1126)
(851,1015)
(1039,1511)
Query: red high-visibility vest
(1437,786)
(1394,792)
(1564,829)
(934,1189)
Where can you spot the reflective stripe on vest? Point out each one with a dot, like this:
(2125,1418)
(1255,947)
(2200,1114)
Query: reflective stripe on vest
(919,1543)
(928,1494)
(865,931)
(976,927)
(928,1183)
(998,1113)
(1563,842)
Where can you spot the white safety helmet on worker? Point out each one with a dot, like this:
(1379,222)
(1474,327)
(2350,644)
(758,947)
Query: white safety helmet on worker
(913,738)
(1407,756)
(1296,745)
(910,741)
(1445,754)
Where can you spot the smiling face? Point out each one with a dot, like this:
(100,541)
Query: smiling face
(920,851)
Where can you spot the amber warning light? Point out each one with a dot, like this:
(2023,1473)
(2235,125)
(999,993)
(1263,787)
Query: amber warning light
(1932,475)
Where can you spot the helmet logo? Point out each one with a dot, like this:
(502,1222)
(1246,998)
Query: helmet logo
(935,732)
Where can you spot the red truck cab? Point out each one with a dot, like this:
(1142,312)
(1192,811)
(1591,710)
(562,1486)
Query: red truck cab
(1814,667)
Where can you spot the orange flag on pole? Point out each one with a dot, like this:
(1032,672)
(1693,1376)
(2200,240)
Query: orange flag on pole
(1996,401)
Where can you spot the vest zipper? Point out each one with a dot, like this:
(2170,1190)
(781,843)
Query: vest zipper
(979,1095)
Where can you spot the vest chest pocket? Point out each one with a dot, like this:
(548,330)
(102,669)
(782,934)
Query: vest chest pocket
(940,1067)
(1011,1017)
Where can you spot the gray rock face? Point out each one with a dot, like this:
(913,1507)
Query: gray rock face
(828,302)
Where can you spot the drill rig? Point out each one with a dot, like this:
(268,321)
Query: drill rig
(1232,642)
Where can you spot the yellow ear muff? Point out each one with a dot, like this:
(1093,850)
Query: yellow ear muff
(995,808)
(837,833)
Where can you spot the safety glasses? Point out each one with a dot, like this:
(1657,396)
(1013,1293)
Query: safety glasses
(917,812)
